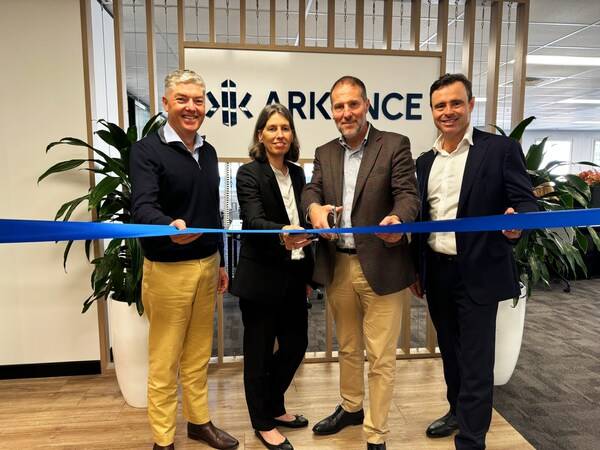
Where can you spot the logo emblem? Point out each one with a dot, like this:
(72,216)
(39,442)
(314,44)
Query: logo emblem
(229,103)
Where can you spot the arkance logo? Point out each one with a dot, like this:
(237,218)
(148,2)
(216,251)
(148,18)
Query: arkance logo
(229,104)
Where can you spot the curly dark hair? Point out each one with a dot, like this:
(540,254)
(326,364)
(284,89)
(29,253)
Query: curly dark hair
(257,149)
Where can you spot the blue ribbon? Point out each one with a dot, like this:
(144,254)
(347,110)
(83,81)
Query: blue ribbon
(14,230)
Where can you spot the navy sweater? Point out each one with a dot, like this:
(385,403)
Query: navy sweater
(167,184)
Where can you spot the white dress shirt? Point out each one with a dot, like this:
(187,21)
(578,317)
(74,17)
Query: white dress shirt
(443,188)
(289,200)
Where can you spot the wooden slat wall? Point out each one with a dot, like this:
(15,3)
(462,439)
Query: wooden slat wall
(520,64)
(151,52)
(493,69)
(468,38)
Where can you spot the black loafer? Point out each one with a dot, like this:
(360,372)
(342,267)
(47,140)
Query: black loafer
(443,427)
(299,422)
(371,446)
(285,445)
(338,420)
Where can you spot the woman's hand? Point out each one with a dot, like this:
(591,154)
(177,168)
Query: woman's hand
(295,241)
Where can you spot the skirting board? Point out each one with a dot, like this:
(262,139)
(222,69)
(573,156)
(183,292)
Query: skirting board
(43,370)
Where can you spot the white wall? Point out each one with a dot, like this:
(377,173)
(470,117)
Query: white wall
(43,100)
(582,143)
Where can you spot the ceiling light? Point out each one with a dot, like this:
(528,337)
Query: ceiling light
(587,122)
(581,101)
(554,60)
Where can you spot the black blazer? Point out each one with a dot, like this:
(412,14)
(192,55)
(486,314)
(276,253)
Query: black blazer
(265,267)
(494,179)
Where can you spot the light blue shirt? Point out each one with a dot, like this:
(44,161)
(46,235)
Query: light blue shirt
(352,160)
(172,136)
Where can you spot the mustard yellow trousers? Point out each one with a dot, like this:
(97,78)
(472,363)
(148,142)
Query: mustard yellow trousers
(179,299)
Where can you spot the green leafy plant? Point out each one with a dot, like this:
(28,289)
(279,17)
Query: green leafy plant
(118,272)
(546,252)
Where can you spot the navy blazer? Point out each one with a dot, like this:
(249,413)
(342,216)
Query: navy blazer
(494,179)
(265,267)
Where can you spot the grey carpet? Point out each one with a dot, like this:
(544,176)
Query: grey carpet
(553,398)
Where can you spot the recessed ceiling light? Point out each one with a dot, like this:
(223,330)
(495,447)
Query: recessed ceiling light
(581,101)
(554,60)
(587,122)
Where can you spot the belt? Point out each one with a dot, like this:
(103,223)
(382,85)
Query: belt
(348,251)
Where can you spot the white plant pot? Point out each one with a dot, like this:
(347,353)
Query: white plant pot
(509,334)
(129,338)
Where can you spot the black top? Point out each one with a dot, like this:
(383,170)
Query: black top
(167,184)
(265,268)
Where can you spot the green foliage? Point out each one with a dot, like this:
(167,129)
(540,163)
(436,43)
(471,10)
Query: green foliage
(546,252)
(118,272)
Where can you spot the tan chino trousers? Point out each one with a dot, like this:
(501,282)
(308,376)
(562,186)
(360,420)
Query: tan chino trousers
(365,320)
(179,299)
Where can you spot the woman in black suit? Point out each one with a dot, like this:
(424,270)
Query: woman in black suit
(273,273)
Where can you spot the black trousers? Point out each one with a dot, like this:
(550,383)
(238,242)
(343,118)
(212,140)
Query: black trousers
(268,374)
(466,336)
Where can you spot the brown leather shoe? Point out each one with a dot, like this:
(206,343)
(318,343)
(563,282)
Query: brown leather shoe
(165,447)
(212,435)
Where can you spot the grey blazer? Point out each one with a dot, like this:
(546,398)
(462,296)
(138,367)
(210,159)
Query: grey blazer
(386,185)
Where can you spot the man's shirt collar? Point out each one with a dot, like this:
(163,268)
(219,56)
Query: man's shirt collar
(467,140)
(172,136)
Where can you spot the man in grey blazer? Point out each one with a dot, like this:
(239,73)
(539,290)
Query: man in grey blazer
(364,177)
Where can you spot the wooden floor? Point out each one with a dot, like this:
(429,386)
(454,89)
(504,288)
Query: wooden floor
(89,413)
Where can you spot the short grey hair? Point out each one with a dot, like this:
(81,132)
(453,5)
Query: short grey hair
(183,76)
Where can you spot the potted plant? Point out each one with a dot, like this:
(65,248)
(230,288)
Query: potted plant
(542,253)
(592,179)
(117,272)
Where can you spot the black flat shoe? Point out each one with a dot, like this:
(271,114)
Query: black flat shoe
(338,420)
(285,445)
(443,427)
(299,422)
(371,446)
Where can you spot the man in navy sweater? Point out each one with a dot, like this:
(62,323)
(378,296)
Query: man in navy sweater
(175,181)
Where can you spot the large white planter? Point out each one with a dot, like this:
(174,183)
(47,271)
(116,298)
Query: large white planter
(509,334)
(129,338)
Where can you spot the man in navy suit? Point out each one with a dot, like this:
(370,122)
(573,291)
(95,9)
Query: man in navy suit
(467,173)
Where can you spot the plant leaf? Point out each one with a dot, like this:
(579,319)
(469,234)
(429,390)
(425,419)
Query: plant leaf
(115,133)
(500,130)
(535,155)
(153,124)
(68,205)
(105,186)
(595,238)
(88,244)
(69,141)
(517,132)
(63,166)
(66,254)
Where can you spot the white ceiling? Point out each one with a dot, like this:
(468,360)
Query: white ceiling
(557,28)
